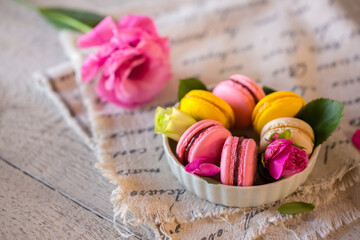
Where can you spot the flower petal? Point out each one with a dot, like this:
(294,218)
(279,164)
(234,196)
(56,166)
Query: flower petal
(172,122)
(297,163)
(191,167)
(99,35)
(135,60)
(207,170)
(201,168)
(276,165)
(139,82)
(356,139)
(137,21)
(89,68)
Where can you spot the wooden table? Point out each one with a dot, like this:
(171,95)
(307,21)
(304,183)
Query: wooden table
(49,187)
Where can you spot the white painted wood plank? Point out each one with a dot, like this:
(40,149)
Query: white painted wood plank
(31,210)
(33,135)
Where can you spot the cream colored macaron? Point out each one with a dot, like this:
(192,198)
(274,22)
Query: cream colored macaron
(301,132)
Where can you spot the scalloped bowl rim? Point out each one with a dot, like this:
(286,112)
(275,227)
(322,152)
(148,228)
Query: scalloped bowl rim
(235,196)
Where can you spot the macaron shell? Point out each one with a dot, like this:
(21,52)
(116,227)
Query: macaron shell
(301,132)
(204,105)
(189,133)
(248,163)
(227,162)
(276,105)
(250,84)
(206,145)
(209,145)
(239,98)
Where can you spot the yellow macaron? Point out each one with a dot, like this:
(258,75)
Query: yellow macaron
(276,105)
(202,104)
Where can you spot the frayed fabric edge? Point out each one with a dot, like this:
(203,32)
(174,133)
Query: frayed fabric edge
(126,215)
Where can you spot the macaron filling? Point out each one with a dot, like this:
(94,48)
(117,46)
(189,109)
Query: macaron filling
(192,140)
(247,88)
(237,161)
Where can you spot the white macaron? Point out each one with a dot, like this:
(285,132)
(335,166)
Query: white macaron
(301,132)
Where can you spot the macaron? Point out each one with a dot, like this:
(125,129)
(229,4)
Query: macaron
(242,94)
(301,132)
(202,104)
(203,139)
(276,105)
(238,161)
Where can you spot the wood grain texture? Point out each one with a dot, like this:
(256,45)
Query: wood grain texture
(33,135)
(30,210)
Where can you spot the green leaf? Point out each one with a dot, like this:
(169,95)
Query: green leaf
(268,90)
(298,146)
(285,134)
(71,19)
(271,137)
(186,85)
(323,115)
(295,207)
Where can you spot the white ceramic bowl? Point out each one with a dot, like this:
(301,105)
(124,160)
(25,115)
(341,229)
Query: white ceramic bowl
(233,196)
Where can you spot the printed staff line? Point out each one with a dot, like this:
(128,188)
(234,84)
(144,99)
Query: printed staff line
(351,102)
(326,47)
(332,145)
(303,89)
(355,122)
(153,192)
(301,10)
(293,33)
(346,82)
(147,110)
(322,29)
(280,52)
(295,70)
(338,63)
(224,12)
(214,235)
(132,132)
(128,172)
(219,54)
(140,151)
(252,214)
(176,230)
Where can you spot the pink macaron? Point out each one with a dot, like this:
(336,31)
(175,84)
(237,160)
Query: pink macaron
(242,94)
(203,139)
(238,161)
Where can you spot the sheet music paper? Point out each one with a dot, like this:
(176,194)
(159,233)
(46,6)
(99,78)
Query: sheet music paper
(309,47)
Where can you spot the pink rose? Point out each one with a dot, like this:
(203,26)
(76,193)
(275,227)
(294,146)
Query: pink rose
(283,159)
(134,60)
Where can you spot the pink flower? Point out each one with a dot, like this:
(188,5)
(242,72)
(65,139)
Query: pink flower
(356,139)
(201,168)
(133,57)
(283,159)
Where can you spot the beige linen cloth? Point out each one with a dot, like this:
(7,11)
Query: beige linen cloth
(309,47)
